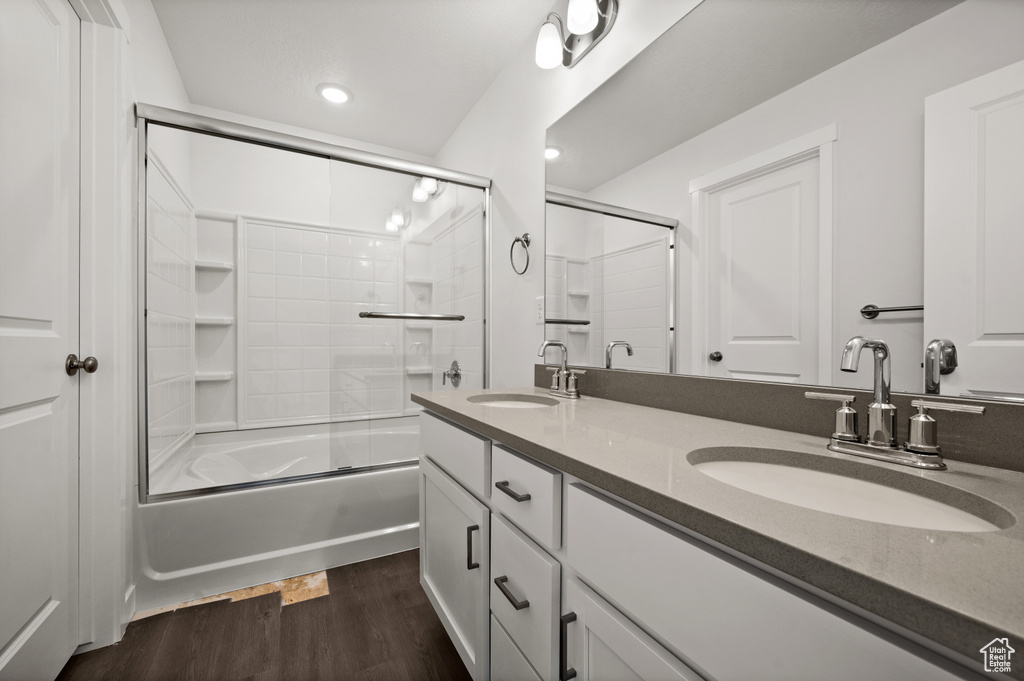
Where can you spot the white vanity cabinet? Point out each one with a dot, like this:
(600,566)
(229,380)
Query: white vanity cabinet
(455,563)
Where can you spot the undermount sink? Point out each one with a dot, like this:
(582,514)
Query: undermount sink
(846,488)
(513,401)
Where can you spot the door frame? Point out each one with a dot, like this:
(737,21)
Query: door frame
(106,417)
(817,144)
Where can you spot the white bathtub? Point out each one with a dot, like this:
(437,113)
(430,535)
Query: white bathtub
(203,545)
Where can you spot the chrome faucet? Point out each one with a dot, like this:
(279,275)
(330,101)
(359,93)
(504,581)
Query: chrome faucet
(563,380)
(939,359)
(608,352)
(881,413)
(921,449)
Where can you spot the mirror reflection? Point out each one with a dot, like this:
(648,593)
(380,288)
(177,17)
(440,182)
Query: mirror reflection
(270,278)
(788,139)
(608,287)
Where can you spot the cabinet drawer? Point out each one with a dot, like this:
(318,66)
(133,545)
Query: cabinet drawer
(692,595)
(463,455)
(516,478)
(507,661)
(525,594)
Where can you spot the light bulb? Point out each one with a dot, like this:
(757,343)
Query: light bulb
(390,226)
(582,16)
(334,93)
(552,152)
(429,185)
(549,46)
(419,194)
(398,216)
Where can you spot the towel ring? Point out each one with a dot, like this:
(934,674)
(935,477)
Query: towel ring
(525,241)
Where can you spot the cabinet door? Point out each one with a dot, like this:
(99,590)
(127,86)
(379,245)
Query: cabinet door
(455,563)
(508,662)
(608,647)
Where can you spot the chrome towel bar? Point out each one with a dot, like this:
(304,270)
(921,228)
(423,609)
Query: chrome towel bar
(413,316)
(872,311)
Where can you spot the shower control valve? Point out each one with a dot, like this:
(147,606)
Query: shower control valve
(454,373)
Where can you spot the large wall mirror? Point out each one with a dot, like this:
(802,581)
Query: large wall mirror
(808,151)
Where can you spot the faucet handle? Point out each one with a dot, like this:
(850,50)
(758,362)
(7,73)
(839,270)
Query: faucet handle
(846,416)
(923,432)
(570,382)
(555,375)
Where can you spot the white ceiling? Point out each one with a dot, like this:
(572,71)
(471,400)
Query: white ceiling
(415,67)
(723,58)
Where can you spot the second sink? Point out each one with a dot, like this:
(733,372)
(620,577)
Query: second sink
(513,401)
(850,489)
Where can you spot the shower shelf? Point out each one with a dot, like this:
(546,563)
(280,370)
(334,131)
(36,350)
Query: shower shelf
(215,265)
(215,321)
(419,371)
(419,325)
(580,294)
(578,329)
(419,280)
(208,376)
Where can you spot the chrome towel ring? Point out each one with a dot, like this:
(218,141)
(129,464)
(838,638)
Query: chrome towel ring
(525,241)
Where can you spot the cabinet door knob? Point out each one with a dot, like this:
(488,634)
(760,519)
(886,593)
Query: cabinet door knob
(715,356)
(72,364)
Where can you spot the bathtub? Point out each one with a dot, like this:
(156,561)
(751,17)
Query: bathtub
(189,547)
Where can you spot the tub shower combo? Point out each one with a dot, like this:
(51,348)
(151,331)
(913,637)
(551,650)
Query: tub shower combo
(294,293)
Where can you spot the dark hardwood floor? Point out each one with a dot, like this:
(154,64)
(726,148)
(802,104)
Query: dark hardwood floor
(376,625)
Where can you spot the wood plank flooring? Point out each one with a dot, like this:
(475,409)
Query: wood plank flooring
(375,625)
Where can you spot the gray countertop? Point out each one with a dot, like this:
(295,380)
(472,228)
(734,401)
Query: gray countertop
(959,590)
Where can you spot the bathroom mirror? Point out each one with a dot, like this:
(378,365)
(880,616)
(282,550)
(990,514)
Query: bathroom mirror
(292,303)
(788,140)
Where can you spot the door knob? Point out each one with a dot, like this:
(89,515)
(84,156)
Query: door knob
(72,364)
(715,356)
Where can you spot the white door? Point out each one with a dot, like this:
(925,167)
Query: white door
(39,168)
(761,277)
(974,230)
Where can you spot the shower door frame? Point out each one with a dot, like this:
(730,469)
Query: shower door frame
(146,114)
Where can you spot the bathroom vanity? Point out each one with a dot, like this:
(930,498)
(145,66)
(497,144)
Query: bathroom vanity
(589,539)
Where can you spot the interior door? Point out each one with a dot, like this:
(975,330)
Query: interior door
(39,204)
(974,208)
(761,277)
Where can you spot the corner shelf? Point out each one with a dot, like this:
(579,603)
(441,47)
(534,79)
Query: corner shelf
(419,371)
(578,329)
(209,376)
(419,281)
(215,265)
(579,294)
(215,321)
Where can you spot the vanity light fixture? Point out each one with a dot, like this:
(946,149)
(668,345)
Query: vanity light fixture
(588,21)
(399,219)
(426,188)
(334,93)
(551,153)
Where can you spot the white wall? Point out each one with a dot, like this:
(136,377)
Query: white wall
(503,138)
(877,98)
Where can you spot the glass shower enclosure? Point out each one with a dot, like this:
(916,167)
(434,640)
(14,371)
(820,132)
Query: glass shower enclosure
(294,295)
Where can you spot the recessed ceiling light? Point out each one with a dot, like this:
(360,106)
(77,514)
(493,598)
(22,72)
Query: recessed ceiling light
(334,93)
(552,152)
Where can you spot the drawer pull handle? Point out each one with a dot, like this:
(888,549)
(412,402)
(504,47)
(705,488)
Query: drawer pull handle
(470,565)
(500,583)
(565,672)
(503,486)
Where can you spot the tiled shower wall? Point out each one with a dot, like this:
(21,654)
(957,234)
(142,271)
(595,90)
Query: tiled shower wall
(170,255)
(307,356)
(457,257)
(630,302)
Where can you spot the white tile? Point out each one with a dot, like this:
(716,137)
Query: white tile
(316,381)
(261,334)
(289,240)
(315,335)
(339,267)
(261,359)
(260,261)
(289,263)
(261,408)
(288,358)
(314,266)
(261,310)
(316,358)
(289,335)
(259,236)
(314,242)
(289,287)
(289,311)
(315,311)
(261,285)
(361,247)
(261,382)
(287,382)
(362,269)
